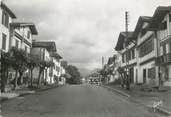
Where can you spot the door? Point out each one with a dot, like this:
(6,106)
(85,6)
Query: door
(131,72)
(136,75)
(144,76)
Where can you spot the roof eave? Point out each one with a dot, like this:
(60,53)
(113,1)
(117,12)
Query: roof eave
(30,25)
(158,15)
(8,10)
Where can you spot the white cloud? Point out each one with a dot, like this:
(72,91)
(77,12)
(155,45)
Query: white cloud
(84,30)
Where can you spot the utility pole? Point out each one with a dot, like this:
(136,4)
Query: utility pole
(127,52)
(100,76)
(102,62)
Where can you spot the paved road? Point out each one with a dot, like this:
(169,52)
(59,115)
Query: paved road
(74,101)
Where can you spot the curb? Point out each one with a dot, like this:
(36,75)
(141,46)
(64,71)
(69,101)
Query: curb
(44,89)
(3,99)
(159,109)
(119,92)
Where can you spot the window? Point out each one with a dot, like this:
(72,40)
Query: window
(25,49)
(147,47)
(152,73)
(28,34)
(133,53)
(170,17)
(16,43)
(161,50)
(167,48)
(163,25)
(4,39)
(129,55)
(5,19)
(143,32)
(164,49)
(123,58)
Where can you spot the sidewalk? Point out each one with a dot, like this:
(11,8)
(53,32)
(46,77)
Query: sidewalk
(147,98)
(24,91)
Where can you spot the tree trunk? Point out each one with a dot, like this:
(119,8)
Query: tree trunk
(127,82)
(45,81)
(39,78)
(31,82)
(122,81)
(15,79)
(20,80)
(3,76)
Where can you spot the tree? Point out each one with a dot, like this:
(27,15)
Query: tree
(48,65)
(75,74)
(5,65)
(122,72)
(32,63)
(42,66)
(19,59)
(104,72)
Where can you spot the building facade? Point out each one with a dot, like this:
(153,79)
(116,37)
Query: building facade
(148,58)
(147,71)
(6,17)
(55,71)
(161,24)
(47,52)
(126,47)
(21,35)
(62,78)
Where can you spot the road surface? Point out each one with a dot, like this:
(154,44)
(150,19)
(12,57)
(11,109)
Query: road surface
(74,101)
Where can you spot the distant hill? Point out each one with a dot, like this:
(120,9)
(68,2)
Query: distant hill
(84,72)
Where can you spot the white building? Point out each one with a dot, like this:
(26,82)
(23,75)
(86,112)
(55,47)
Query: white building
(21,35)
(127,50)
(56,70)
(161,24)
(147,71)
(62,78)
(151,63)
(48,52)
(6,17)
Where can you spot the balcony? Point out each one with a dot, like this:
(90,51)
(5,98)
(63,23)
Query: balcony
(167,37)
(164,59)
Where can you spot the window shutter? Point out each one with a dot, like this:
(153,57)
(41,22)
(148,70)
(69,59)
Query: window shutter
(6,20)
(3,17)
(4,41)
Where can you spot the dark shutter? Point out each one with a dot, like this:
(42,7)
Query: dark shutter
(17,44)
(4,41)
(3,15)
(6,20)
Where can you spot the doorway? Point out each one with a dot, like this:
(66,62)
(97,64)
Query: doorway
(144,75)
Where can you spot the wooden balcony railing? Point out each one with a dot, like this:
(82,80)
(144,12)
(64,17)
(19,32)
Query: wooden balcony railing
(164,59)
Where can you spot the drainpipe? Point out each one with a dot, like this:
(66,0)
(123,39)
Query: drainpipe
(157,55)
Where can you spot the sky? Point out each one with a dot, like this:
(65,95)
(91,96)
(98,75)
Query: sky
(84,30)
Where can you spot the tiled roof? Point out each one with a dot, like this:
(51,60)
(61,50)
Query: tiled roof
(140,22)
(30,25)
(158,15)
(50,46)
(4,6)
(56,55)
(121,40)
(110,61)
